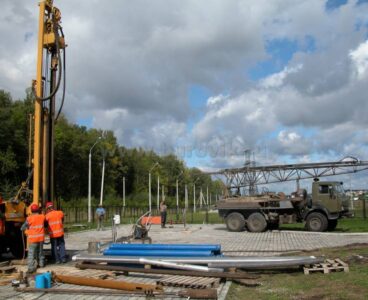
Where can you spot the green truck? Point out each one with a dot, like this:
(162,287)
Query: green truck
(320,211)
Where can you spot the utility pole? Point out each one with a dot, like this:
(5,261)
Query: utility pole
(194,195)
(177,195)
(89,180)
(102,180)
(149,191)
(124,192)
(158,193)
(186,196)
(149,187)
(194,199)
(200,198)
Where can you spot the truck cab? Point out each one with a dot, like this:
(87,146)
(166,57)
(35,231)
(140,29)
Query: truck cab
(331,196)
(327,204)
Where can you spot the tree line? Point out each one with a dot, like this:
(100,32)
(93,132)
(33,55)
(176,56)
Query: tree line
(72,146)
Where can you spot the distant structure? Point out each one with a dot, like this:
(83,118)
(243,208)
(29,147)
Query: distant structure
(252,175)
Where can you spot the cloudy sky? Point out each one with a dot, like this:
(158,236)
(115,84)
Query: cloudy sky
(208,79)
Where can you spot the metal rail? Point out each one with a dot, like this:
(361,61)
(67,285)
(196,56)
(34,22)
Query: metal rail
(250,176)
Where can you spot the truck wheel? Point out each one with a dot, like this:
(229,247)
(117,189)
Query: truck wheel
(331,225)
(256,222)
(316,222)
(235,222)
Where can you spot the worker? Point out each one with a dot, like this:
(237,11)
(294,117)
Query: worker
(54,222)
(100,212)
(163,211)
(35,225)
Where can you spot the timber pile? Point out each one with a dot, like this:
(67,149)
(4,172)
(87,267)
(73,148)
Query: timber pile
(189,282)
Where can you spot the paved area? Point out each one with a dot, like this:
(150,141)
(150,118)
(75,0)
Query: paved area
(232,243)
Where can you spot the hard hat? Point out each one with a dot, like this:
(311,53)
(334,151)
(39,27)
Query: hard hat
(34,207)
(49,204)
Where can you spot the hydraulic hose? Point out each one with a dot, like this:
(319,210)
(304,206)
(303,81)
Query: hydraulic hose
(64,80)
(53,93)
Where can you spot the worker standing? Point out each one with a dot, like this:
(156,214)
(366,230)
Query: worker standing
(54,221)
(35,225)
(163,211)
(100,212)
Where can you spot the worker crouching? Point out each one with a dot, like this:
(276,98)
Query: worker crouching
(54,221)
(35,226)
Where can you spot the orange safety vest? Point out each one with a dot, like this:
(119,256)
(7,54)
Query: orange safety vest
(55,220)
(36,230)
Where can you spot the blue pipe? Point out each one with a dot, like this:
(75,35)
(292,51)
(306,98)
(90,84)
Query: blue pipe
(187,247)
(150,253)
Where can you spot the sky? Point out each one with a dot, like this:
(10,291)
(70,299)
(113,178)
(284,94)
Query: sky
(207,80)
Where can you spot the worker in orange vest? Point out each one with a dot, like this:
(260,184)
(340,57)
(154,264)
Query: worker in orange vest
(54,221)
(35,225)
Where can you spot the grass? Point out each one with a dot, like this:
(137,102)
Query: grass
(293,284)
(344,225)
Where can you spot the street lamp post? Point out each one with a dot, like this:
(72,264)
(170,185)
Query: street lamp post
(102,180)
(177,195)
(149,187)
(89,180)
(194,195)
(158,193)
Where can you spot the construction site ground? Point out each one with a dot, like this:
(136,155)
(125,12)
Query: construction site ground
(232,243)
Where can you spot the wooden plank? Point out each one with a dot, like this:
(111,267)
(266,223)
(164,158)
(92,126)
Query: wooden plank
(7,270)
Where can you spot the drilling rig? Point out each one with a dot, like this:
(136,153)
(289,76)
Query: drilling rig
(50,74)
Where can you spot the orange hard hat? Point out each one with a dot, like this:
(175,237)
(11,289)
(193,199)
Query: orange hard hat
(49,204)
(34,207)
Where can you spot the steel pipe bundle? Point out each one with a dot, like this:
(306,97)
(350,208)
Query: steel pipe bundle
(166,250)
(158,253)
(212,261)
(216,249)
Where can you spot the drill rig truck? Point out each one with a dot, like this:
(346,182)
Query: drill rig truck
(320,211)
(50,73)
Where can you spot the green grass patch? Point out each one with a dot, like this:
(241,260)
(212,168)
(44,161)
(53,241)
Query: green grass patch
(344,225)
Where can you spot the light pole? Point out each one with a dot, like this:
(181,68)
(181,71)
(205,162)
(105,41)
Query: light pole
(102,179)
(89,180)
(177,194)
(158,193)
(194,195)
(149,186)
(123,196)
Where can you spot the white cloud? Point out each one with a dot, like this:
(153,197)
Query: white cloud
(130,65)
(359,56)
(277,79)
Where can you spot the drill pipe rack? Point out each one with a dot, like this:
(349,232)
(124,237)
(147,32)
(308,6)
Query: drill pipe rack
(250,176)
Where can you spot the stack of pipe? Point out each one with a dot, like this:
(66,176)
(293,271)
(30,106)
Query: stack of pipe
(164,250)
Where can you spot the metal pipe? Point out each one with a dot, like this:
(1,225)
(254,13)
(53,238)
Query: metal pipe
(159,253)
(179,266)
(242,262)
(227,275)
(108,284)
(207,247)
(265,264)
